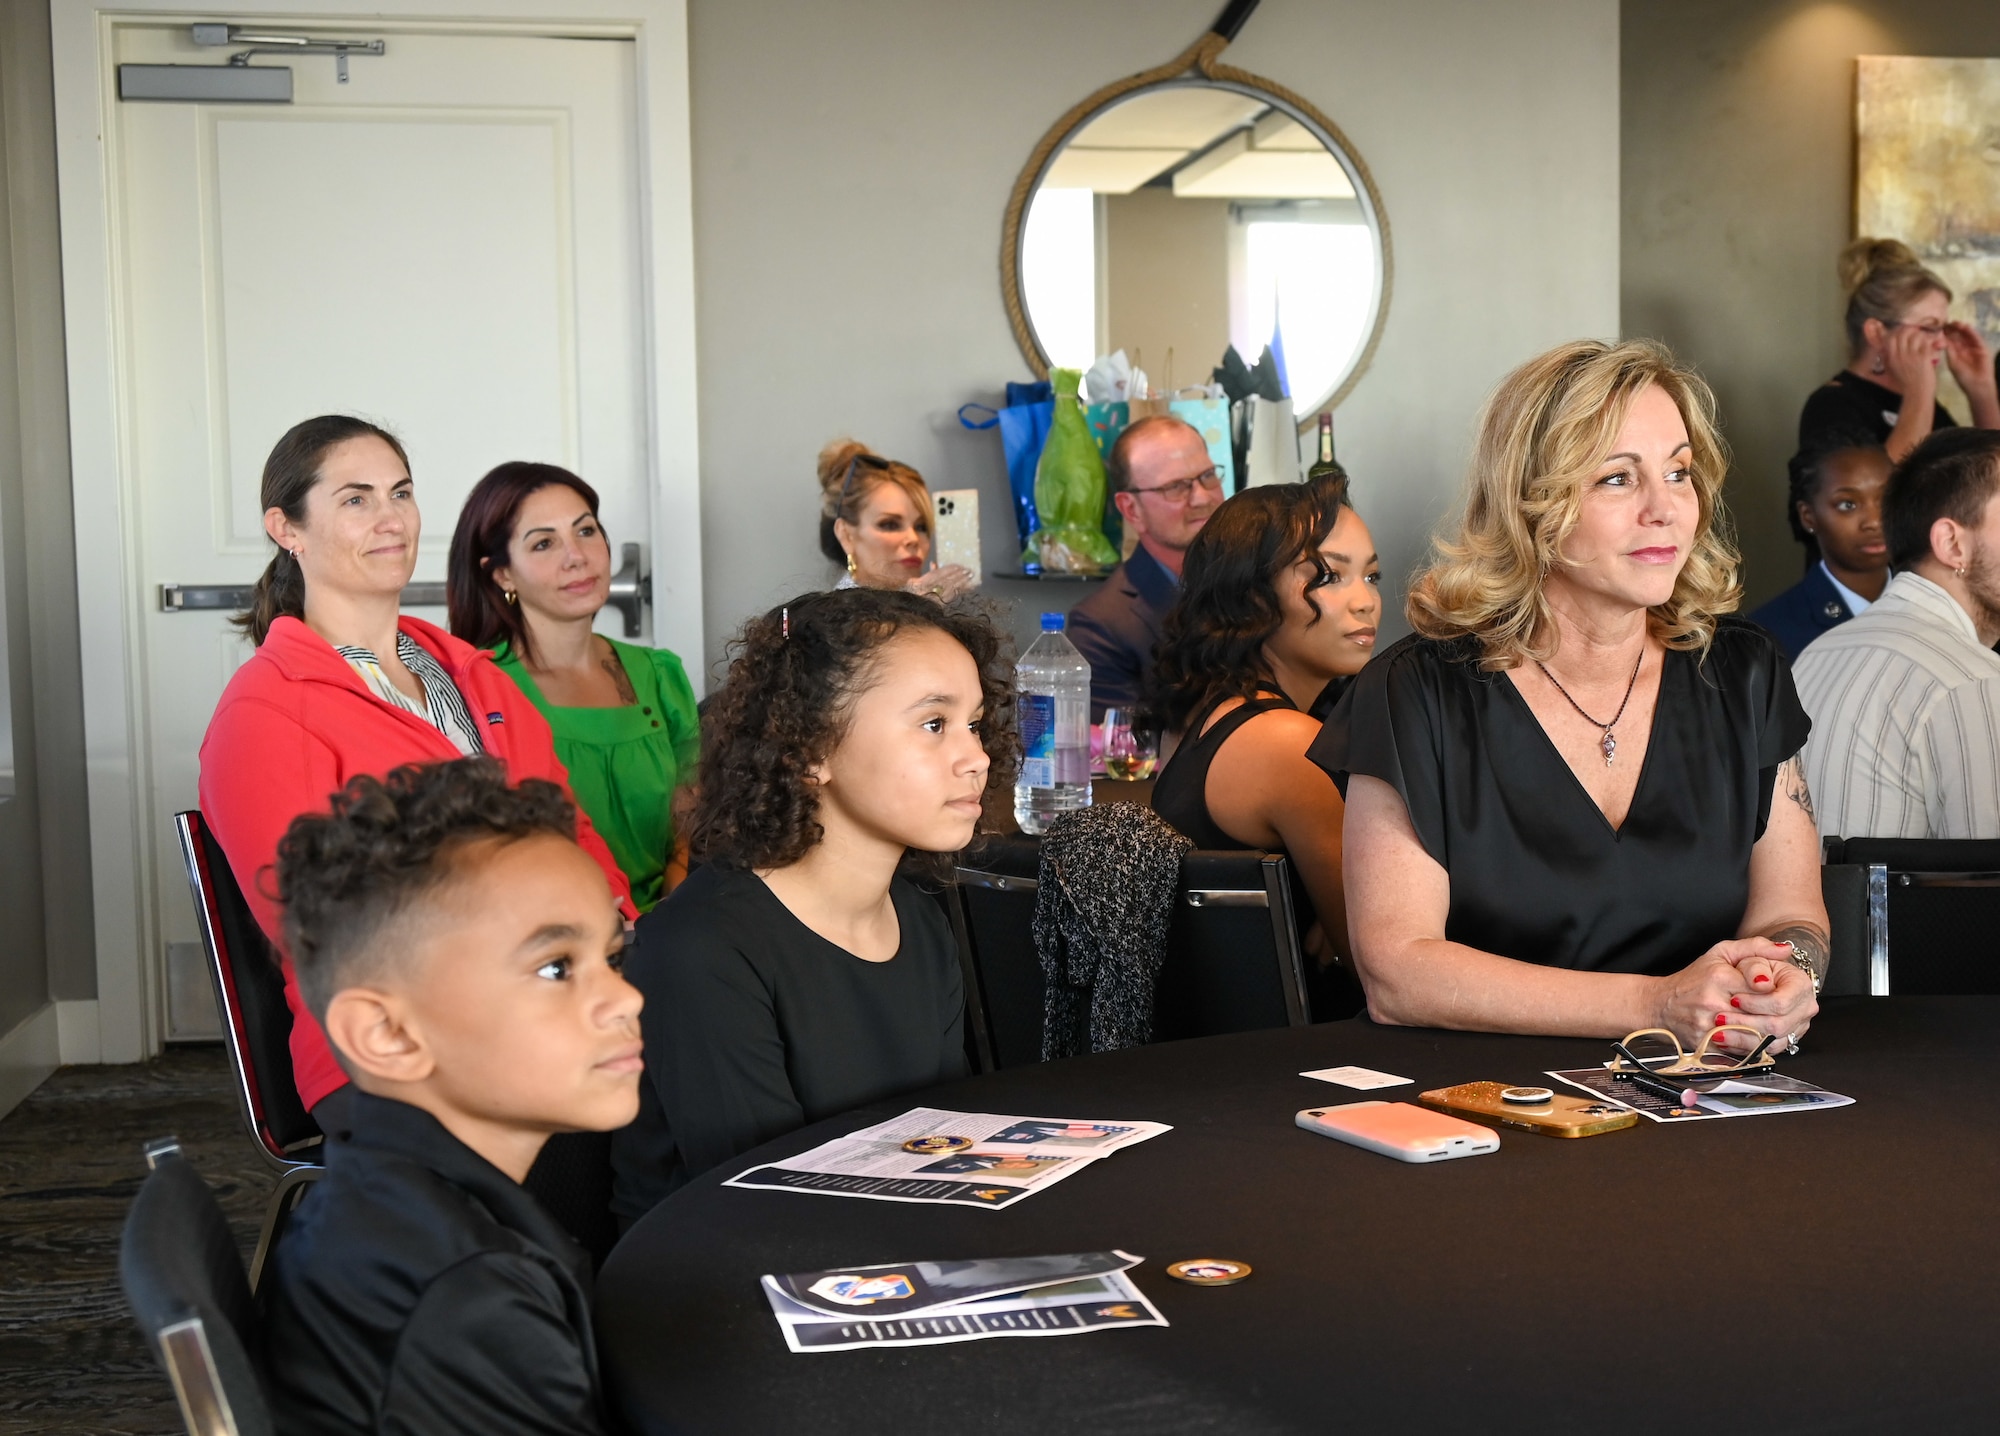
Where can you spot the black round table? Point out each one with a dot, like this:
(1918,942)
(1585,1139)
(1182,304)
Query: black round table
(1813,1271)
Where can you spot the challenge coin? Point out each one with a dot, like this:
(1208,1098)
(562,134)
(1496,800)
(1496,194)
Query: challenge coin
(935,1146)
(1209,1271)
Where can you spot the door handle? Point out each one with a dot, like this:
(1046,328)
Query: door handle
(629,588)
(187,597)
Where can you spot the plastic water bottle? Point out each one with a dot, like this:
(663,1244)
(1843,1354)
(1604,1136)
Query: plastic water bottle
(1053,680)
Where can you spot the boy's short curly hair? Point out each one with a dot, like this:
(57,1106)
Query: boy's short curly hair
(346,874)
(787,702)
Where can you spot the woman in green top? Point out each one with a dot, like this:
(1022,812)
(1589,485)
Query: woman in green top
(530,567)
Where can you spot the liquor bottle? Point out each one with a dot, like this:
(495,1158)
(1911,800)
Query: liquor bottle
(1325,464)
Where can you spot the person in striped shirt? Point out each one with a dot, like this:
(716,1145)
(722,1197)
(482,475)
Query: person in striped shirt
(1905,698)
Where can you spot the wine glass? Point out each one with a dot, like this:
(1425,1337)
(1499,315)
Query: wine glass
(1130,753)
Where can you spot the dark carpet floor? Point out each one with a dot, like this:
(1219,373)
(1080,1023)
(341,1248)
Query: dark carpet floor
(71,1361)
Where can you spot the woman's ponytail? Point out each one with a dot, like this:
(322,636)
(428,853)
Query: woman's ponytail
(289,475)
(280,593)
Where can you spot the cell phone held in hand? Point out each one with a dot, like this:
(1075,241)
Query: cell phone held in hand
(956,528)
(1538,1109)
(1400,1130)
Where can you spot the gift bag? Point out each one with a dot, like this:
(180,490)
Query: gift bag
(1024,428)
(1209,417)
(1069,490)
(1274,443)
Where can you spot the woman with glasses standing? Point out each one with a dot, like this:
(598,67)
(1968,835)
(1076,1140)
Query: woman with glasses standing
(875,520)
(1165,486)
(1898,328)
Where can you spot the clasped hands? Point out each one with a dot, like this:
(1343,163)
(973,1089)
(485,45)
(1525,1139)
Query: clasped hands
(1747,980)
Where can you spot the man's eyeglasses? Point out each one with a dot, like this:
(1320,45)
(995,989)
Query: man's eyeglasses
(1656,1052)
(1181,490)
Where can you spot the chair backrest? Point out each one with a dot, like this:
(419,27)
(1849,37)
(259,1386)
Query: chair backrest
(996,902)
(184,1283)
(1233,962)
(1932,907)
(250,996)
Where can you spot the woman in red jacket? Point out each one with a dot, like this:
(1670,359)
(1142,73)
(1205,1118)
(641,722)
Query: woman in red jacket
(342,684)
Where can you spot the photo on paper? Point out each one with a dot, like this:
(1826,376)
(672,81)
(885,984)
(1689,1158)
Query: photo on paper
(1040,1131)
(1016,1166)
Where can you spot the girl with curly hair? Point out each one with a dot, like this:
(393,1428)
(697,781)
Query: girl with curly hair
(1574,798)
(795,973)
(1278,604)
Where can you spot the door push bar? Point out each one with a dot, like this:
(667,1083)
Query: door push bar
(631,592)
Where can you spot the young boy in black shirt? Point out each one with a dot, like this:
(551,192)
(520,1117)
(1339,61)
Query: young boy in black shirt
(462,953)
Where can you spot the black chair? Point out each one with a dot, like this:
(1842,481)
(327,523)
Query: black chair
(1917,915)
(1233,962)
(993,918)
(256,1028)
(185,1286)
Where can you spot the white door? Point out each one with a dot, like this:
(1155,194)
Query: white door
(449,244)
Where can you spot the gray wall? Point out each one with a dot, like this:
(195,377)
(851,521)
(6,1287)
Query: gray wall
(45,926)
(852,163)
(1738,194)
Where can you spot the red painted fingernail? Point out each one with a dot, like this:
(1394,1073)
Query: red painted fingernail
(1720,1019)
(1760,978)
(1735,1002)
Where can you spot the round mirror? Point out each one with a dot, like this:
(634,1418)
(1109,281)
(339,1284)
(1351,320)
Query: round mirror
(1192,214)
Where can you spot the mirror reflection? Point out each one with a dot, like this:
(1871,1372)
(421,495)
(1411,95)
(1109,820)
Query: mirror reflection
(1193,216)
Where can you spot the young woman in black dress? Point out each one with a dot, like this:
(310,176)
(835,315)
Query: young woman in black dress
(795,974)
(1279,602)
(1574,798)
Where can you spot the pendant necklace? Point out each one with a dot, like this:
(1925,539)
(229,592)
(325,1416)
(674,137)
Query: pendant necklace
(1609,744)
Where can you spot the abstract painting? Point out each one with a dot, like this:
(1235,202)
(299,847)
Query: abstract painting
(1928,171)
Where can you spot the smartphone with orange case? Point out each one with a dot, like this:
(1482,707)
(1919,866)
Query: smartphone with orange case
(1560,1116)
(1400,1130)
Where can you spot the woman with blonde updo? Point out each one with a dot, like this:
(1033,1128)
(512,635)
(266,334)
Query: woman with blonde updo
(1574,802)
(1899,326)
(875,520)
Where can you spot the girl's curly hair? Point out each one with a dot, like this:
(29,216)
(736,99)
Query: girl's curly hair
(788,700)
(1212,641)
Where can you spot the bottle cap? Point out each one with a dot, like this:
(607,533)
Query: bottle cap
(1054,622)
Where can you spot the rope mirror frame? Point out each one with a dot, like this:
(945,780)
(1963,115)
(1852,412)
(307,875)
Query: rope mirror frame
(1198,65)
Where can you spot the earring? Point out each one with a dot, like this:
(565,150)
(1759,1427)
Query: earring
(1878,367)
(510,595)
(1959,572)
(850,563)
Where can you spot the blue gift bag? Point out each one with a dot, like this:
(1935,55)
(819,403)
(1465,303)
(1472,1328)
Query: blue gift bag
(1024,428)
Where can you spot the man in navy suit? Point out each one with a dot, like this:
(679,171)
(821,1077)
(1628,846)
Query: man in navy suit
(1836,498)
(1165,486)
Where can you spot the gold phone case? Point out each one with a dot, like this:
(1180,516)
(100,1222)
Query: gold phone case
(1560,1116)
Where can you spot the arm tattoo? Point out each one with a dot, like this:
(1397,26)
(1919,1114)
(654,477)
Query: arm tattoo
(1792,776)
(1811,941)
